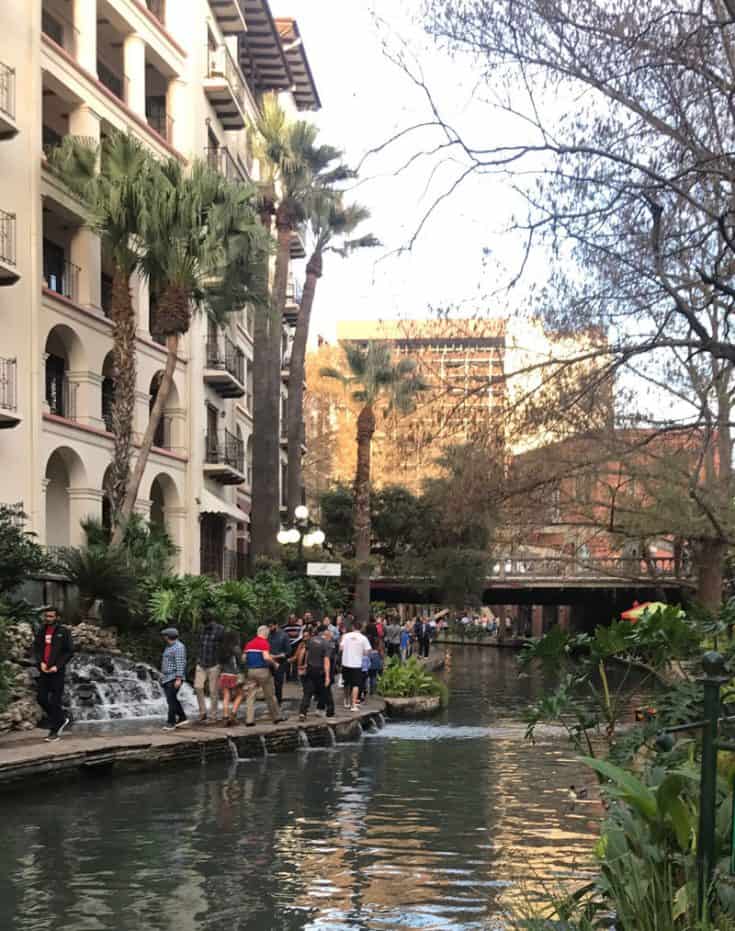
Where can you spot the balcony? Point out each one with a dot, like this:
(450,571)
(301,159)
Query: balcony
(8,271)
(8,393)
(294,293)
(62,278)
(61,397)
(225,87)
(224,458)
(159,121)
(225,367)
(221,160)
(61,30)
(114,83)
(229,15)
(8,126)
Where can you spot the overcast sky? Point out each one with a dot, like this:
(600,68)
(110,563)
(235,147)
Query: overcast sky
(365,99)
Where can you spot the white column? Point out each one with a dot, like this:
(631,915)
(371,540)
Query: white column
(143,507)
(176,108)
(88,398)
(141,415)
(85,22)
(176,528)
(83,503)
(85,251)
(134,66)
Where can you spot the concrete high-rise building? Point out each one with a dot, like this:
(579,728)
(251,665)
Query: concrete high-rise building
(185,77)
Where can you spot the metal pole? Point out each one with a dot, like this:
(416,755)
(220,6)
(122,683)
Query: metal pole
(713,664)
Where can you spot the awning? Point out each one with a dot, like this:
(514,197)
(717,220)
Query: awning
(211,504)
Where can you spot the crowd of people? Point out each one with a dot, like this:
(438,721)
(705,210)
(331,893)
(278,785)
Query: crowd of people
(319,655)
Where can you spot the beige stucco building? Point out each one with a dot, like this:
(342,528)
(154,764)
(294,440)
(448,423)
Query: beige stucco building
(184,76)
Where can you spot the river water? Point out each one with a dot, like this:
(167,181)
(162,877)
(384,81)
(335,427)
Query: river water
(444,824)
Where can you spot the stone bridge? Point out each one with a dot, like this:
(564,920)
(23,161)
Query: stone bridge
(543,580)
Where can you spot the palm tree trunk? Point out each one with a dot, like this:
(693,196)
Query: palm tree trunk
(365,431)
(123,404)
(296,384)
(265,513)
(159,405)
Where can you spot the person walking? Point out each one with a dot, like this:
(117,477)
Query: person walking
(422,631)
(318,676)
(393,638)
(53,648)
(173,673)
(259,665)
(294,630)
(375,668)
(230,679)
(405,643)
(207,671)
(280,645)
(354,646)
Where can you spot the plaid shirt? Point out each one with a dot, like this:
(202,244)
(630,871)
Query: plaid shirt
(173,662)
(209,641)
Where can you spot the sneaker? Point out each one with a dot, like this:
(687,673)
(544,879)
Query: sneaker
(302,717)
(355,708)
(67,722)
(183,723)
(321,713)
(250,724)
(202,719)
(51,737)
(347,705)
(168,727)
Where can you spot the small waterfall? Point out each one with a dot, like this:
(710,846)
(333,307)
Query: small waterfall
(303,739)
(264,745)
(380,720)
(108,687)
(372,727)
(332,737)
(233,750)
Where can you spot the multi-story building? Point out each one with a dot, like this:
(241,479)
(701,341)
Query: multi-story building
(185,77)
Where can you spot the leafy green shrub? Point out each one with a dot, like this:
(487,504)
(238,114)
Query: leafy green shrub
(99,572)
(20,555)
(409,680)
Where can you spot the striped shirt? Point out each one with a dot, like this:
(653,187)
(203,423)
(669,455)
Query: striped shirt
(173,662)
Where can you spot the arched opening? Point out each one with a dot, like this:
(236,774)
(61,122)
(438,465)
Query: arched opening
(63,353)
(163,437)
(64,471)
(163,497)
(108,391)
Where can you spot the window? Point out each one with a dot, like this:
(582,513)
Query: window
(55,380)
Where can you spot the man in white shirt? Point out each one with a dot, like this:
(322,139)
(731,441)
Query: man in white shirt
(354,647)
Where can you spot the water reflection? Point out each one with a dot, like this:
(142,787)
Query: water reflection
(422,826)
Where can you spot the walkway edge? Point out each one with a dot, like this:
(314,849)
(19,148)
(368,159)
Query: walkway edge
(72,757)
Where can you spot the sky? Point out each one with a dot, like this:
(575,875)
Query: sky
(366,98)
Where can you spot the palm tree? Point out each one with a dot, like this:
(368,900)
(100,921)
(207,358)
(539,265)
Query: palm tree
(373,376)
(112,181)
(201,250)
(332,223)
(293,167)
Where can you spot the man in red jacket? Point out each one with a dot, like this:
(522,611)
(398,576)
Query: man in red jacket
(53,648)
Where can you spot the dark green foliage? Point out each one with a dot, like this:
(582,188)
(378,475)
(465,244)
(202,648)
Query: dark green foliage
(409,680)
(20,555)
(99,572)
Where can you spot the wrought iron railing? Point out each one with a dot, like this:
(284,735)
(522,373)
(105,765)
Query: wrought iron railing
(224,564)
(61,30)
(220,159)
(7,90)
(225,449)
(553,567)
(8,384)
(62,278)
(220,63)
(113,82)
(159,120)
(61,397)
(7,238)
(222,353)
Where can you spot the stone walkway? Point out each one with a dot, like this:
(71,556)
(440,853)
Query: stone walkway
(25,758)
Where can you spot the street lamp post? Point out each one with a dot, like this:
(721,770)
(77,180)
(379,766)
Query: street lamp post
(303,532)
